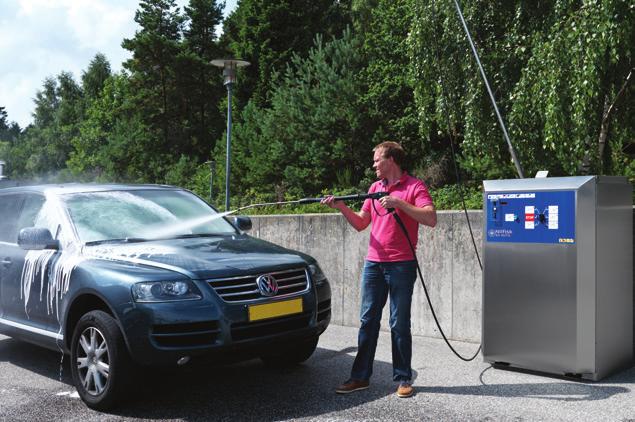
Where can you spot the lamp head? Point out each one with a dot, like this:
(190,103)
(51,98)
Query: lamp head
(229,67)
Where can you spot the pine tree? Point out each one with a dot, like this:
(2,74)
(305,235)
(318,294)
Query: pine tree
(152,69)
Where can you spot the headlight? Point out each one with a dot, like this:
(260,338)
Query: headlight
(165,291)
(317,275)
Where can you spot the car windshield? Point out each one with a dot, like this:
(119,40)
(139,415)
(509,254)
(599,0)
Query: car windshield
(138,215)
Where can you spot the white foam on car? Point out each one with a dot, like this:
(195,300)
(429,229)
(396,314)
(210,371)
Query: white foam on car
(34,261)
(52,217)
(59,265)
(115,252)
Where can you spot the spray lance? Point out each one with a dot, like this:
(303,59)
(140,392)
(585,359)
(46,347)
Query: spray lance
(303,201)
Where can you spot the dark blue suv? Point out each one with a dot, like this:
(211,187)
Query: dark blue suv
(121,276)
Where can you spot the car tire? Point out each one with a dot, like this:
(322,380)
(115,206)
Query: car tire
(291,353)
(100,362)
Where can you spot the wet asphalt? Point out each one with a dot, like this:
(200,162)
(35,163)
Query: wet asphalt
(32,388)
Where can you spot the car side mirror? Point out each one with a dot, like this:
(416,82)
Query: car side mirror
(243,223)
(37,238)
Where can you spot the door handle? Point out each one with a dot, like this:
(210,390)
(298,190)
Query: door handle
(5,261)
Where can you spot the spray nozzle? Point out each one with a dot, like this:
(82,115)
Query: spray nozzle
(355,197)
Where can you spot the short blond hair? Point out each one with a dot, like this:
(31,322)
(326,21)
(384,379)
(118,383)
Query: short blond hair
(394,150)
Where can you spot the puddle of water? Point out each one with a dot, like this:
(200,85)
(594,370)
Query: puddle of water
(71,394)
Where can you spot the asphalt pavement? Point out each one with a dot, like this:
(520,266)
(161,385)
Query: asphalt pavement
(35,387)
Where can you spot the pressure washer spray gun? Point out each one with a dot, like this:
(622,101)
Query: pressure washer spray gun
(354,197)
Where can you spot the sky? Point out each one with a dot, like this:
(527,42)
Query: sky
(42,38)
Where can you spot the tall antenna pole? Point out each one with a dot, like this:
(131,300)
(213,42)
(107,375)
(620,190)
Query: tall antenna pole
(489,91)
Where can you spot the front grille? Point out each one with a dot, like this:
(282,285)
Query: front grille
(245,289)
(253,330)
(186,335)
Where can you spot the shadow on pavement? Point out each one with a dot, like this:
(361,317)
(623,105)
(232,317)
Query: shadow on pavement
(551,391)
(578,390)
(252,391)
(37,359)
(247,390)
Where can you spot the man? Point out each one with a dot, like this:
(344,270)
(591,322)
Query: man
(390,268)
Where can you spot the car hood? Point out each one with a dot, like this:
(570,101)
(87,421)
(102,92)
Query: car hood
(202,258)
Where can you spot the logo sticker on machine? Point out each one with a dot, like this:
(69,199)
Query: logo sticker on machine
(531,217)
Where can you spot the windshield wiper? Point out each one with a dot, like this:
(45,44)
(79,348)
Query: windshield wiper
(122,240)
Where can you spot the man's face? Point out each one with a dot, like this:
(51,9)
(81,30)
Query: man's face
(381,164)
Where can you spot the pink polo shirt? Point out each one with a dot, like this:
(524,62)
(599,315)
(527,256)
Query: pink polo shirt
(387,241)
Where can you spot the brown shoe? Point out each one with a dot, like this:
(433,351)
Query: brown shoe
(352,385)
(405,389)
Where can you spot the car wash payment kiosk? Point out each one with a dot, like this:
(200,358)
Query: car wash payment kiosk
(558,275)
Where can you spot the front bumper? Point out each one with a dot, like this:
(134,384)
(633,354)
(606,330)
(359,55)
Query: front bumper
(161,333)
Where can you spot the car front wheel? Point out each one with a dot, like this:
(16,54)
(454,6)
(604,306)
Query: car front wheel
(99,360)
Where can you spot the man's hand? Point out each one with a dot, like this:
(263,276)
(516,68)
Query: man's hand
(331,202)
(359,220)
(391,202)
(425,215)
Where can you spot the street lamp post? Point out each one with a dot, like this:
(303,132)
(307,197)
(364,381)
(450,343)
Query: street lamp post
(229,72)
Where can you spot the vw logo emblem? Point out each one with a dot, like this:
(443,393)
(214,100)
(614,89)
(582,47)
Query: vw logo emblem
(267,285)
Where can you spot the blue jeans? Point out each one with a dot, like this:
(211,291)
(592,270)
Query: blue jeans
(378,281)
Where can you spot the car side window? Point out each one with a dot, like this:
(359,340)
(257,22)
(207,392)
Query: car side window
(30,209)
(9,213)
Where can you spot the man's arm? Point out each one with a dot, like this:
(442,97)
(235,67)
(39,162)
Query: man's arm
(359,220)
(426,215)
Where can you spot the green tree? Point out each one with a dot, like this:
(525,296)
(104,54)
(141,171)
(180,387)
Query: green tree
(383,27)
(94,78)
(575,99)
(310,138)
(4,119)
(46,144)
(152,70)
(113,144)
(269,32)
(199,83)
(555,68)
(9,137)
(9,131)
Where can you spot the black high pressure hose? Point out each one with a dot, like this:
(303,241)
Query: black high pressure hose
(425,289)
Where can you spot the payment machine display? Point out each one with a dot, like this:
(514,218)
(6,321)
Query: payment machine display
(531,217)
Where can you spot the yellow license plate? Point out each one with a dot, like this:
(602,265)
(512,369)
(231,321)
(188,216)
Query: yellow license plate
(276,309)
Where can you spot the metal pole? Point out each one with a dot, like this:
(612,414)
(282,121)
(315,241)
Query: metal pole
(489,90)
(229,136)
(211,183)
(212,165)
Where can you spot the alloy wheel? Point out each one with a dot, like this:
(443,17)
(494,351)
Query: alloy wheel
(93,361)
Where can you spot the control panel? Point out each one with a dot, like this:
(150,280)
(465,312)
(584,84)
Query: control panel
(531,217)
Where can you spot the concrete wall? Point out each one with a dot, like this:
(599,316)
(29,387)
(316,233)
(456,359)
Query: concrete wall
(449,265)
